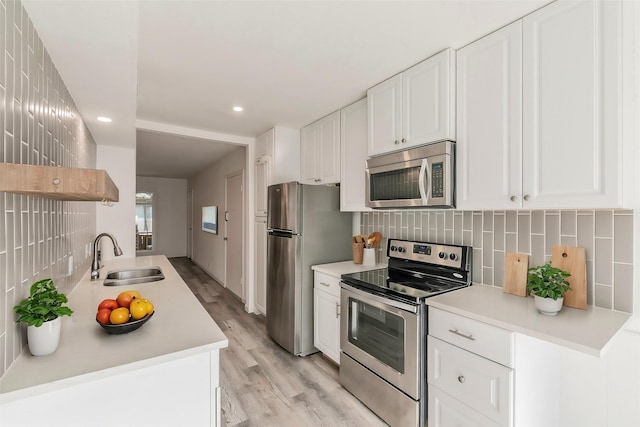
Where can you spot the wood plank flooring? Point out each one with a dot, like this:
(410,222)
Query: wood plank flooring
(262,384)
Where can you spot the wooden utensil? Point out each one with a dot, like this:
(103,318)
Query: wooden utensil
(515,274)
(376,238)
(573,260)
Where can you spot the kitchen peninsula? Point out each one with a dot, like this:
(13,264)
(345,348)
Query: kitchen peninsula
(141,377)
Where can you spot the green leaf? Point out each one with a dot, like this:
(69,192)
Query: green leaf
(44,303)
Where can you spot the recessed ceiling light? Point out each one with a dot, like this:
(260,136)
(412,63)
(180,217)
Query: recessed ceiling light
(238,108)
(104,119)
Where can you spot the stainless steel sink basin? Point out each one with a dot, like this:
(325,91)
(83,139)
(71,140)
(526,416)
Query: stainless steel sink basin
(131,276)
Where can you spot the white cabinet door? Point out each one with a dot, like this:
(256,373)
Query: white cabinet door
(428,100)
(265,144)
(309,154)
(384,105)
(445,411)
(261,264)
(326,324)
(262,174)
(320,151)
(479,383)
(572,105)
(329,149)
(489,121)
(353,145)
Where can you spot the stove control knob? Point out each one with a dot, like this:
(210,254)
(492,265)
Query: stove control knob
(453,257)
(401,249)
(442,255)
(393,248)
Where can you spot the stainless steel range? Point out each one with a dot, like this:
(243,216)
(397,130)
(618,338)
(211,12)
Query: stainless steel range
(383,329)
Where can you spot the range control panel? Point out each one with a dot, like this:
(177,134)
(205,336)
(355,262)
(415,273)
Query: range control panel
(428,253)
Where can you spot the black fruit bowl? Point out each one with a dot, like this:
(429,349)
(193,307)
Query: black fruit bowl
(124,328)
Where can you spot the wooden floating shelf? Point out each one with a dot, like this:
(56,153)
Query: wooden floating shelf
(58,183)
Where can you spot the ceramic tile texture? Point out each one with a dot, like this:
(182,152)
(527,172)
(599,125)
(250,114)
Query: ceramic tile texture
(607,237)
(40,125)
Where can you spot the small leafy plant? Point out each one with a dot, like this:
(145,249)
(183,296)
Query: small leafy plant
(546,281)
(44,303)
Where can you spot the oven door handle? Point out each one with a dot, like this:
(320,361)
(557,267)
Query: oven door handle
(423,181)
(378,301)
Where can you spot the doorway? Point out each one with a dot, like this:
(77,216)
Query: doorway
(144,221)
(234,236)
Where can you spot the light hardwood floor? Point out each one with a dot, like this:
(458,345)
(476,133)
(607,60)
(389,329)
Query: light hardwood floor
(262,384)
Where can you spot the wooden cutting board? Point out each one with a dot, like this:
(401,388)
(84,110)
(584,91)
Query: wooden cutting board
(573,260)
(515,274)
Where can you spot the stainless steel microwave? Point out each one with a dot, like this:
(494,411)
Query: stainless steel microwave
(418,177)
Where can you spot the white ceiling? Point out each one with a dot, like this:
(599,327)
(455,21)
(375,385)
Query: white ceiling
(182,65)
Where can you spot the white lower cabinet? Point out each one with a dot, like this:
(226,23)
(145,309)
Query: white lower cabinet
(140,396)
(447,411)
(326,312)
(463,372)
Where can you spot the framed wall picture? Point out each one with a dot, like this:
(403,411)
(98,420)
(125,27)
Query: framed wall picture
(210,219)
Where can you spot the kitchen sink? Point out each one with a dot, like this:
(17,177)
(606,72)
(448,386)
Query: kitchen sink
(131,276)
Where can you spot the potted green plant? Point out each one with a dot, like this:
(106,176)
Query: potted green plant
(548,285)
(42,311)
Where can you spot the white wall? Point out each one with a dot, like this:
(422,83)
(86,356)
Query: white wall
(169,215)
(208,190)
(118,219)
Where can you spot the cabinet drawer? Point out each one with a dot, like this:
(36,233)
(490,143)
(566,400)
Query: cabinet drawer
(486,340)
(445,411)
(483,385)
(327,283)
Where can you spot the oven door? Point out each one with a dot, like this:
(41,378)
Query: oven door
(383,335)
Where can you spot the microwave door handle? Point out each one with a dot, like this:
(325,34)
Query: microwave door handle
(423,181)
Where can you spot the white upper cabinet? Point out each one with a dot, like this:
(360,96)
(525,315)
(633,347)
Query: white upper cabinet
(413,108)
(489,117)
(560,145)
(572,64)
(353,144)
(320,151)
(277,157)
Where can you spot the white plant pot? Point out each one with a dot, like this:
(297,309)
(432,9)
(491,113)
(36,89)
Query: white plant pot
(44,339)
(548,306)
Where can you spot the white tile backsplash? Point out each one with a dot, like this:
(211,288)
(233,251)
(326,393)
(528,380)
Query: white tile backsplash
(40,125)
(492,234)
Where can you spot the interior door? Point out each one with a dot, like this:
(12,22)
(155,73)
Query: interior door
(233,233)
(190,223)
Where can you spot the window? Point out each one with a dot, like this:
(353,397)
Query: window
(144,221)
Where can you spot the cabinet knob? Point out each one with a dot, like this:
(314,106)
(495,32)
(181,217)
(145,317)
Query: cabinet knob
(396,142)
(404,140)
(460,379)
(56,181)
(513,198)
(526,197)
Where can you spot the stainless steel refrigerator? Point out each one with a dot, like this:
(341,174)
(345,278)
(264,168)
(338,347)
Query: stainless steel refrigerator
(305,228)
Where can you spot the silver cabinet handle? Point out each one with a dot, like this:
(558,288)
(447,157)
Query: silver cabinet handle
(404,140)
(526,197)
(513,198)
(337,310)
(457,332)
(396,142)
(324,284)
(460,379)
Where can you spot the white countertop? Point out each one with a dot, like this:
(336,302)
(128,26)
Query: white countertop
(180,327)
(337,269)
(587,331)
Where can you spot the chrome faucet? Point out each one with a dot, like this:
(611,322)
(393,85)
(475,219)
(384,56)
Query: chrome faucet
(95,264)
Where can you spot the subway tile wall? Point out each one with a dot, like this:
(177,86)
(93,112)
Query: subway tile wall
(41,126)
(606,235)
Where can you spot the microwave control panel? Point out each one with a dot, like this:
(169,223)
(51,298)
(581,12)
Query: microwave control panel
(437,180)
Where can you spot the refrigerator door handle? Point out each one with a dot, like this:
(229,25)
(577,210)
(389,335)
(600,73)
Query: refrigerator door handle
(280,233)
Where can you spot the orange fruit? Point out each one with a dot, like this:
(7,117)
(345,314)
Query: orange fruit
(124,298)
(103,315)
(149,305)
(138,309)
(119,316)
